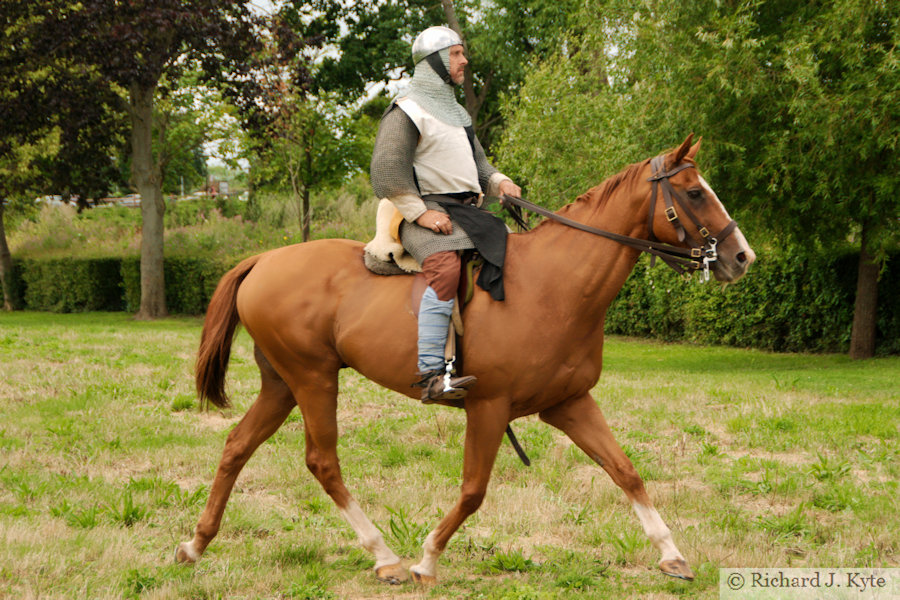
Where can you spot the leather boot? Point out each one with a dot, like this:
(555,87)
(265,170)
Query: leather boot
(436,388)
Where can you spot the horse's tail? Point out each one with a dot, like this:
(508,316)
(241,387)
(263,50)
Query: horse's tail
(218,332)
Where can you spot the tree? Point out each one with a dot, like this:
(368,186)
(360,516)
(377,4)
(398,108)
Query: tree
(370,43)
(139,44)
(797,104)
(89,115)
(192,114)
(502,38)
(311,145)
(303,135)
(52,141)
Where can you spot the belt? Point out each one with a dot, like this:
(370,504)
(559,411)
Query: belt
(461,197)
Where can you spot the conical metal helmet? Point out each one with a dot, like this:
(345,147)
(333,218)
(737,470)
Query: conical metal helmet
(433,39)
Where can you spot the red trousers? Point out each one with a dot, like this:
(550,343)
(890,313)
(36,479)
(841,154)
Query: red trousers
(441,271)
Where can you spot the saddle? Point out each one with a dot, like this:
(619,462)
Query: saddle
(385,255)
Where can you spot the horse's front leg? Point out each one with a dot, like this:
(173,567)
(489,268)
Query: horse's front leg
(485,424)
(582,420)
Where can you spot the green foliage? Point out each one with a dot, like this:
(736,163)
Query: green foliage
(68,261)
(562,95)
(298,555)
(313,145)
(789,302)
(86,518)
(403,533)
(373,44)
(52,140)
(826,469)
(67,285)
(126,512)
(513,561)
(791,525)
(180,403)
(780,92)
(190,282)
(112,284)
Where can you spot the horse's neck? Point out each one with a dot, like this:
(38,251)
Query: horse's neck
(592,268)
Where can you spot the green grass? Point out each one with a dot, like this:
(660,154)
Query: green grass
(753,459)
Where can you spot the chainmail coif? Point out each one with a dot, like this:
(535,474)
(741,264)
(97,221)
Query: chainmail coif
(435,97)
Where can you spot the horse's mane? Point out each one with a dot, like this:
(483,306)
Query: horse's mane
(599,195)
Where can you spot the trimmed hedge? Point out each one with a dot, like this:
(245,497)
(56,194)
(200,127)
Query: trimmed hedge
(70,285)
(190,282)
(112,284)
(788,303)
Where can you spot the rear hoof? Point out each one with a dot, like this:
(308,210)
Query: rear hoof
(185,554)
(677,568)
(426,580)
(392,574)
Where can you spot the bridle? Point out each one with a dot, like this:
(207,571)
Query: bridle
(699,255)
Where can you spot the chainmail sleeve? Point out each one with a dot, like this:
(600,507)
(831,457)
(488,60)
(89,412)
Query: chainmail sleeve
(391,170)
(485,169)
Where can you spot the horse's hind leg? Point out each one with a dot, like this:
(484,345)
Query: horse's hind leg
(319,405)
(268,413)
(582,420)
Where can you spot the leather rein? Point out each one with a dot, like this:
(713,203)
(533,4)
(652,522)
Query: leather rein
(699,255)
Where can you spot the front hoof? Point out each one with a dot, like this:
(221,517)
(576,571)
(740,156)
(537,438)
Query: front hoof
(426,580)
(677,568)
(392,574)
(185,554)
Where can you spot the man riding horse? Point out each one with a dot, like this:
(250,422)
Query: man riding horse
(429,164)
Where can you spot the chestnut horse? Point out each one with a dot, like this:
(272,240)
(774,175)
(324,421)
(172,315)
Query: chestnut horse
(313,309)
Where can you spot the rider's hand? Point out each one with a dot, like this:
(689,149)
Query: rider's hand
(508,188)
(436,221)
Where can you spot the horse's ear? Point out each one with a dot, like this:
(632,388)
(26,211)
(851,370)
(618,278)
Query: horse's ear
(694,149)
(676,157)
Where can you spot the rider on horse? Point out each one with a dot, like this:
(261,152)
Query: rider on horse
(429,164)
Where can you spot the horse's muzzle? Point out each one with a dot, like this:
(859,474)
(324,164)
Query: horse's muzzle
(734,258)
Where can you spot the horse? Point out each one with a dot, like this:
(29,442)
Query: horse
(314,308)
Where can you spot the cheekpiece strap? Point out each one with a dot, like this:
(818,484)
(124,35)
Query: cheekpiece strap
(437,65)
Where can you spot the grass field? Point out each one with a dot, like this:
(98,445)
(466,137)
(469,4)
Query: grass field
(753,459)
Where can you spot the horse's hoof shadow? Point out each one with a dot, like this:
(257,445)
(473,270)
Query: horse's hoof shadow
(677,568)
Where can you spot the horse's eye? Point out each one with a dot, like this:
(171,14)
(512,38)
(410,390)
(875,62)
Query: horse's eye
(695,194)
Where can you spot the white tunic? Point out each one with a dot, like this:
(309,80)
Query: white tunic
(443,161)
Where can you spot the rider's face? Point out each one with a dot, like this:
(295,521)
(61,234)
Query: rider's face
(458,64)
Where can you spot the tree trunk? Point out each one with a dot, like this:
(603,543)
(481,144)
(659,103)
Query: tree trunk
(865,309)
(307,177)
(148,179)
(6,266)
(306,213)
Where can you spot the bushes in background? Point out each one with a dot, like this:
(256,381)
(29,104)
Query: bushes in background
(67,285)
(190,282)
(788,302)
(113,284)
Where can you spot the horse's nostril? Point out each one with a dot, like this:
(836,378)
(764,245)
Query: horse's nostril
(741,257)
